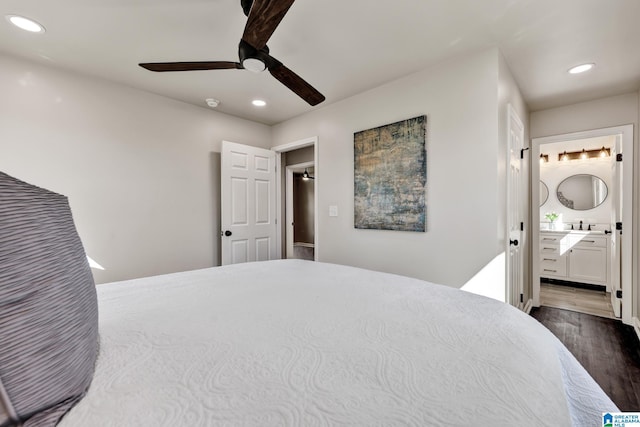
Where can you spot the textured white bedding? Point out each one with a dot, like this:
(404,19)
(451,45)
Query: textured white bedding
(313,344)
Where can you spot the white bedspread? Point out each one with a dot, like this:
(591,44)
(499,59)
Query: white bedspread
(312,344)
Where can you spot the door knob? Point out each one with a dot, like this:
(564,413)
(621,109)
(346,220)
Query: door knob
(513,242)
(228,233)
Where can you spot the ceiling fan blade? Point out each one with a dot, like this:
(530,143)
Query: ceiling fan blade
(190,66)
(264,17)
(294,82)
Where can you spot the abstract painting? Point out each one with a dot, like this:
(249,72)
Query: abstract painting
(390,176)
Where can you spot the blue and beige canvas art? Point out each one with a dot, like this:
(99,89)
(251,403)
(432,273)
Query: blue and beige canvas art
(390,176)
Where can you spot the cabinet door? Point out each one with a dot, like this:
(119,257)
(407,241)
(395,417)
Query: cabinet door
(588,264)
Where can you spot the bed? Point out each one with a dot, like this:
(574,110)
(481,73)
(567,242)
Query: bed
(301,343)
(276,343)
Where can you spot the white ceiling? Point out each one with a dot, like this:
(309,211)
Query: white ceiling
(341,47)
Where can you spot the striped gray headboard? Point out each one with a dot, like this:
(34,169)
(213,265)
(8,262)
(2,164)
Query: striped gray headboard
(48,307)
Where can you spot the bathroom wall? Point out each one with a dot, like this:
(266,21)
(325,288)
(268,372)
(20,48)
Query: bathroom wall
(555,171)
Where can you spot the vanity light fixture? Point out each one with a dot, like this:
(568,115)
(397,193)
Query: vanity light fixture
(25,23)
(544,158)
(585,154)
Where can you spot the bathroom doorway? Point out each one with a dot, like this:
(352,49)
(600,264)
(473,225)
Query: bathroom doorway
(582,222)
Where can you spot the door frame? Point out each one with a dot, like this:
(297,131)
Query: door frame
(624,132)
(288,223)
(279,150)
(514,291)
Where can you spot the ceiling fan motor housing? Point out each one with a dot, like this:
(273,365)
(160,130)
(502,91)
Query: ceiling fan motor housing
(263,17)
(253,59)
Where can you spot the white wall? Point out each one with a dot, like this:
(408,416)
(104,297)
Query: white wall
(459,98)
(600,113)
(141,171)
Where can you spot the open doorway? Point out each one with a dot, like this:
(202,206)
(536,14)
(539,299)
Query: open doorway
(582,221)
(300,211)
(297,199)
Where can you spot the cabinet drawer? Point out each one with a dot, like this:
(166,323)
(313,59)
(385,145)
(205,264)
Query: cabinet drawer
(588,241)
(552,265)
(549,249)
(550,239)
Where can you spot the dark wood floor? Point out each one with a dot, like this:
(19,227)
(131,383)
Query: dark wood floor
(608,349)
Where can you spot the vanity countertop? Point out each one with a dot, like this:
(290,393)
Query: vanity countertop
(581,232)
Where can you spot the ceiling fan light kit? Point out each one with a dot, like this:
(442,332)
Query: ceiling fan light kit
(263,17)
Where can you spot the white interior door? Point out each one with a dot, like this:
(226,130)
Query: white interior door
(514,259)
(248,205)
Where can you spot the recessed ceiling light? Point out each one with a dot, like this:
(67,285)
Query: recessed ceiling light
(212,102)
(25,23)
(581,68)
(258,102)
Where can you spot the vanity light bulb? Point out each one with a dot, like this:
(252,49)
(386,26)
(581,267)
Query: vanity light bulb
(583,155)
(565,156)
(603,152)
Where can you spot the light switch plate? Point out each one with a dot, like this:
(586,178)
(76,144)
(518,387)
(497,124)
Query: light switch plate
(333,210)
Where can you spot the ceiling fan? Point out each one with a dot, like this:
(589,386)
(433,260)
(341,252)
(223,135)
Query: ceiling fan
(263,17)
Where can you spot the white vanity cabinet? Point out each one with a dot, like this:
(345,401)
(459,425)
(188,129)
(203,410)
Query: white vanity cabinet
(574,256)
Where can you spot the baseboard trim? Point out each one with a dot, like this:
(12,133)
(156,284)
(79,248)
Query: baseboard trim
(529,305)
(636,326)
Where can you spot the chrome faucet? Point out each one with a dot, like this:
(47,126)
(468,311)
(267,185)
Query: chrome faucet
(580,225)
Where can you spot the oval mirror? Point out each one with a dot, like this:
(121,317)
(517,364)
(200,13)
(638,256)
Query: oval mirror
(582,192)
(544,193)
